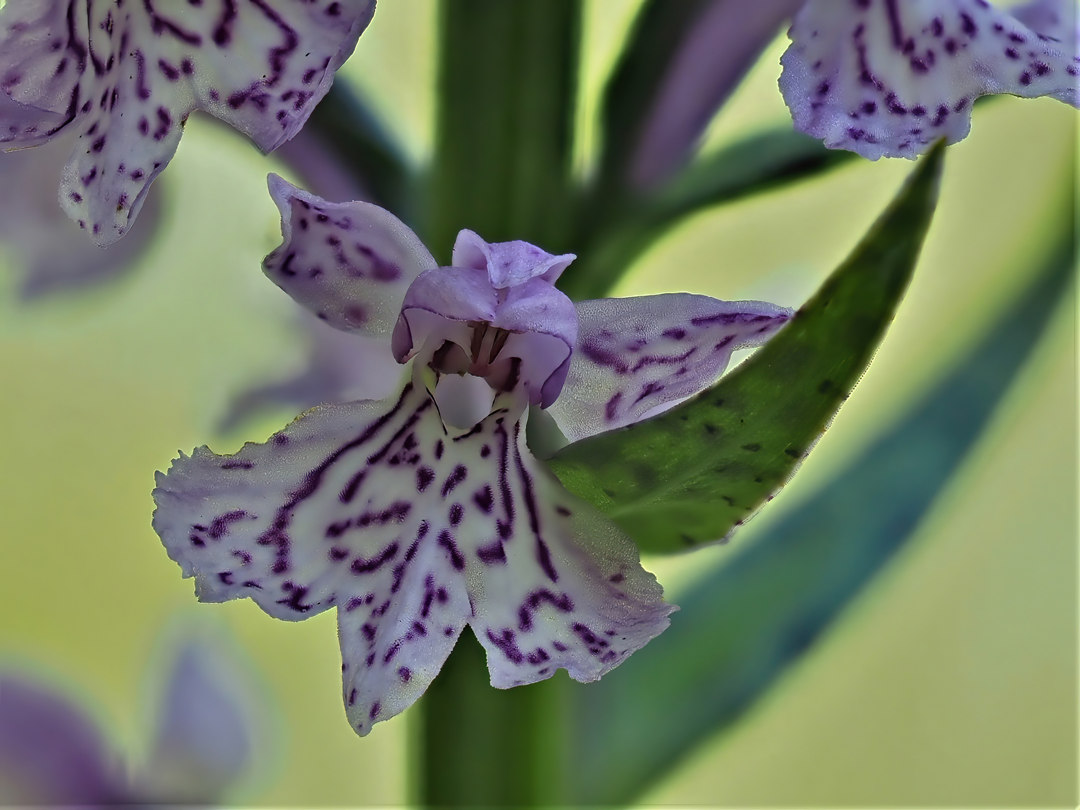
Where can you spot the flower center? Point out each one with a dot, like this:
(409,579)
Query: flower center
(483,358)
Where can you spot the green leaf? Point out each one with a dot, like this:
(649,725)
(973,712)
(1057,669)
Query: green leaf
(359,141)
(507,97)
(753,165)
(695,473)
(743,625)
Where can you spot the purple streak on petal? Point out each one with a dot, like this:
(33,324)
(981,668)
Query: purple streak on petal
(720,48)
(412,532)
(635,355)
(51,752)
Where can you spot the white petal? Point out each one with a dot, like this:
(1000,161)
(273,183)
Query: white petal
(125,77)
(888,78)
(635,354)
(411,533)
(348,263)
(555,585)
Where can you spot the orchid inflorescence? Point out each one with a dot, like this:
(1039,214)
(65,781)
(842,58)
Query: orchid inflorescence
(421,512)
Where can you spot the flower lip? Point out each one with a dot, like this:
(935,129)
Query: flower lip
(502,320)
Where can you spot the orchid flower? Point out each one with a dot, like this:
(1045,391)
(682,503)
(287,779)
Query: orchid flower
(123,78)
(52,753)
(425,512)
(887,78)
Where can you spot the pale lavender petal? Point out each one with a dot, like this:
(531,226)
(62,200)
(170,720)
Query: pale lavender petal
(126,77)
(348,263)
(51,752)
(531,322)
(338,367)
(204,739)
(888,78)
(718,51)
(412,533)
(637,354)
(508,263)
(50,252)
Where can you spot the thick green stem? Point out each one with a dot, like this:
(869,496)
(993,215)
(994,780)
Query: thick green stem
(484,747)
(507,93)
(507,90)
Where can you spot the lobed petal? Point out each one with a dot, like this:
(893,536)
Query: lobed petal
(558,586)
(348,263)
(411,533)
(508,263)
(637,354)
(888,78)
(125,78)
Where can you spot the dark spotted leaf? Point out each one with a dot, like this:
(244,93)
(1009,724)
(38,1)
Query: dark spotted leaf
(743,625)
(695,473)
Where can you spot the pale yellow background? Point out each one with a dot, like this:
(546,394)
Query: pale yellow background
(952,681)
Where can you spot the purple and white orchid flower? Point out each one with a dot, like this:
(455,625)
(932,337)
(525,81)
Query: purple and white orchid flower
(887,78)
(414,523)
(122,78)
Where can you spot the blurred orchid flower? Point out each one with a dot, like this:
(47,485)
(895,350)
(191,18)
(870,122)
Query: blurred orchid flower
(49,250)
(424,512)
(52,753)
(122,80)
(724,40)
(886,78)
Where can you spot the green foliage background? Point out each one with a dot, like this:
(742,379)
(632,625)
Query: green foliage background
(951,681)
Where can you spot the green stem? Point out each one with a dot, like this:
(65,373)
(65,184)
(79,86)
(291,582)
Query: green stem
(507,93)
(484,747)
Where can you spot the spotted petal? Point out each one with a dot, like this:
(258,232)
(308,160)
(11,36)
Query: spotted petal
(412,533)
(125,77)
(348,263)
(47,248)
(637,354)
(888,78)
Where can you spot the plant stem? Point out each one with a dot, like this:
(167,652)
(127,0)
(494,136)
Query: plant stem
(507,94)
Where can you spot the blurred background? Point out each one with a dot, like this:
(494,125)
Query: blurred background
(952,680)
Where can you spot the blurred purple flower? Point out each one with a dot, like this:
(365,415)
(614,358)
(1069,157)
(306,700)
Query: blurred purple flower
(725,40)
(52,753)
(426,511)
(122,80)
(886,78)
